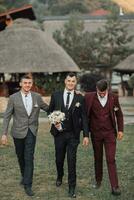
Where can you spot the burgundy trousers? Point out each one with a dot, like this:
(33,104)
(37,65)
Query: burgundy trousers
(107,140)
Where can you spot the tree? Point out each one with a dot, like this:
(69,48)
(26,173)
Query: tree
(105,47)
(15,3)
(114,43)
(131,83)
(2,7)
(71,35)
(88,81)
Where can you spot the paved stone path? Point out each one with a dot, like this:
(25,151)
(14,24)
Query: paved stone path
(127,104)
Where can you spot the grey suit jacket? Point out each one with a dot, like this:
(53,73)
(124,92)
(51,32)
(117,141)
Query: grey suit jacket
(21,120)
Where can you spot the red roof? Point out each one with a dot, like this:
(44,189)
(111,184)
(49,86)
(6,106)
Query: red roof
(100,12)
(14,10)
(23,12)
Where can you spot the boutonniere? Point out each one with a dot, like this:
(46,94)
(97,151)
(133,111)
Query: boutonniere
(116,108)
(77,104)
(36,105)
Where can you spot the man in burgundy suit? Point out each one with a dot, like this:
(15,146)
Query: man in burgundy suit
(106,124)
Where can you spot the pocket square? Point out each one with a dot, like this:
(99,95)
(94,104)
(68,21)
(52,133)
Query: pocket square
(36,106)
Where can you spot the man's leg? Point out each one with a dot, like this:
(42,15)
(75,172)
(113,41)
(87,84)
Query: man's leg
(71,160)
(19,148)
(98,159)
(60,151)
(110,149)
(30,141)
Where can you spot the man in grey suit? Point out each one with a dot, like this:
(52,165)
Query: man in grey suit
(24,106)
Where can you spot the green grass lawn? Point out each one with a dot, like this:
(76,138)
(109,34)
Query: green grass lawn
(45,173)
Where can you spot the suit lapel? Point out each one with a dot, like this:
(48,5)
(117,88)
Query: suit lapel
(111,101)
(111,105)
(60,101)
(21,101)
(34,101)
(75,99)
(90,102)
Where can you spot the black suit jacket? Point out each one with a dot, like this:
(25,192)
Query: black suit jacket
(79,116)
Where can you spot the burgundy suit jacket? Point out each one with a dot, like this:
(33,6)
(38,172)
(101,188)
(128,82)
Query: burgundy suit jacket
(115,109)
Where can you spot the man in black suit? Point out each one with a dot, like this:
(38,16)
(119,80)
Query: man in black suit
(67,139)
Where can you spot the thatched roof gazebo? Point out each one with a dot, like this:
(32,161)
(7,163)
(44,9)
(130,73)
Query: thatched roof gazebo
(24,47)
(126,66)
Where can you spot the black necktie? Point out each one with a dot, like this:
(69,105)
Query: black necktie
(68,100)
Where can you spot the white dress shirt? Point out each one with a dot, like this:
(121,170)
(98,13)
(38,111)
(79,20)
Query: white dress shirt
(27,100)
(103,100)
(65,96)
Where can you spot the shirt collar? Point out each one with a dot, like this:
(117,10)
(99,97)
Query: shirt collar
(71,92)
(104,98)
(23,94)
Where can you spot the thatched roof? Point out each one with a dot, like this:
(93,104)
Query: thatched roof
(126,66)
(24,47)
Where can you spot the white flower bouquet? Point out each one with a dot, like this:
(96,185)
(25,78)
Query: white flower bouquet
(57,117)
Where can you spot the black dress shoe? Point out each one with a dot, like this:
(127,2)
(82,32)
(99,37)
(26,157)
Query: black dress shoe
(71,192)
(116,191)
(58,182)
(97,185)
(28,191)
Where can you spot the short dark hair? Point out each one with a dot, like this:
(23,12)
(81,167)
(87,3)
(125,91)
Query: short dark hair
(71,74)
(102,85)
(26,76)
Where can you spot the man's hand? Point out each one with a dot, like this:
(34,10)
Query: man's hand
(120,135)
(4,140)
(85,141)
(79,92)
(58,126)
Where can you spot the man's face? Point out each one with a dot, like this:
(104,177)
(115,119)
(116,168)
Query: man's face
(26,85)
(70,83)
(102,94)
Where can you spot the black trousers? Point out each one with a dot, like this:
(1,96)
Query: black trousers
(66,143)
(25,153)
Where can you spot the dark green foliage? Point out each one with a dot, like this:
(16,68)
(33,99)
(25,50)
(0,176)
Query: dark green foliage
(88,82)
(131,81)
(105,47)
(69,7)
(109,5)
(49,82)
(60,7)
(114,45)
(2,8)
(71,36)
(15,3)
